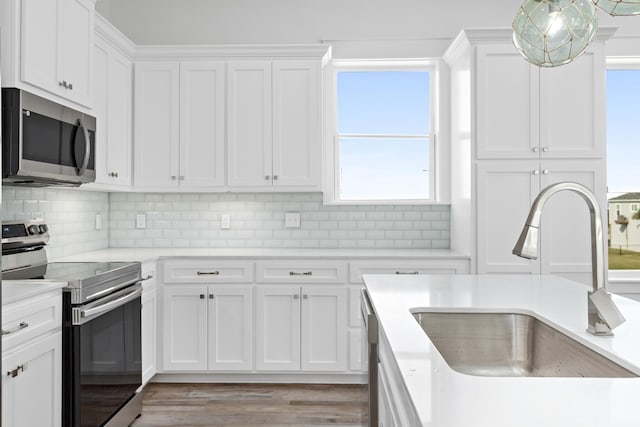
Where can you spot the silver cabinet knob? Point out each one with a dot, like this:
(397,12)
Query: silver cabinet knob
(275,177)
(535,149)
(536,172)
(545,149)
(173,177)
(267,177)
(201,296)
(545,172)
(211,296)
(296,296)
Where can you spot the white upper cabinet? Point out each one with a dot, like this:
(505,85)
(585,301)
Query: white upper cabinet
(179,124)
(156,130)
(274,124)
(112,107)
(525,112)
(202,123)
(56,47)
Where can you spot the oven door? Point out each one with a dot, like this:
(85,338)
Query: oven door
(102,359)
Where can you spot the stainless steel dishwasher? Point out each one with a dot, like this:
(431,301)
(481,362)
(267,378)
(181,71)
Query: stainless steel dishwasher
(371,326)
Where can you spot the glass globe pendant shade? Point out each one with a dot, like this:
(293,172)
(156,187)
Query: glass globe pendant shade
(549,33)
(619,7)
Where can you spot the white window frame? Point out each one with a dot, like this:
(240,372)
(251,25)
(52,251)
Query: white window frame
(331,183)
(623,63)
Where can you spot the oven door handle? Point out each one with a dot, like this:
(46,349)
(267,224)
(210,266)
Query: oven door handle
(85,315)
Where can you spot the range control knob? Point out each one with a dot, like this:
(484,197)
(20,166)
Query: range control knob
(33,229)
(43,228)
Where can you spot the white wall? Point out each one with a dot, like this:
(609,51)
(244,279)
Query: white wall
(378,27)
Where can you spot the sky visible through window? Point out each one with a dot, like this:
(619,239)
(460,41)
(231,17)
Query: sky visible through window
(383,128)
(623,167)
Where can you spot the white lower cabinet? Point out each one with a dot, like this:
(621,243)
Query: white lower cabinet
(149,325)
(32,362)
(301,328)
(31,384)
(207,327)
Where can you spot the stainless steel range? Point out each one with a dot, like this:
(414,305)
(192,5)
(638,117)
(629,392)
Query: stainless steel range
(102,367)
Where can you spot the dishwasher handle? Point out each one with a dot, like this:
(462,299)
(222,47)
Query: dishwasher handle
(369,317)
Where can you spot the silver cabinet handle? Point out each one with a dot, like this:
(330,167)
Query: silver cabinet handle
(174,177)
(305,296)
(201,296)
(407,272)
(267,177)
(21,326)
(275,177)
(296,296)
(304,273)
(208,273)
(69,86)
(62,83)
(147,277)
(211,296)
(87,148)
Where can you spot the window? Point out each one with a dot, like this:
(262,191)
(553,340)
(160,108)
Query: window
(623,170)
(384,149)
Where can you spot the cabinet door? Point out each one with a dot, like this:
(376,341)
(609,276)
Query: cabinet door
(324,328)
(119,125)
(185,328)
(278,328)
(149,330)
(157,126)
(249,127)
(230,327)
(572,106)
(76,49)
(507,104)
(39,43)
(33,398)
(296,123)
(202,123)
(565,243)
(101,108)
(504,195)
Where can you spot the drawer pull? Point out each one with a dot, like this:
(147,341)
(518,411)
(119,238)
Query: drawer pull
(304,273)
(147,277)
(15,372)
(208,273)
(201,296)
(407,272)
(21,326)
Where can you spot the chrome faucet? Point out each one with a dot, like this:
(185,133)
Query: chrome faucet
(603,315)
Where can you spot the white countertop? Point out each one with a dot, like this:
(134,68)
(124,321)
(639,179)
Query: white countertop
(150,254)
(16,290)
(443,397)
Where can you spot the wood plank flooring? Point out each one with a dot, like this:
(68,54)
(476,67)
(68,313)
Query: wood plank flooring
(191,405)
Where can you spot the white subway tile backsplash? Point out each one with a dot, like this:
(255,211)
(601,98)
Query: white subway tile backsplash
(193,220)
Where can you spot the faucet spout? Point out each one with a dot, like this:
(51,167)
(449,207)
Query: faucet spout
(603,314)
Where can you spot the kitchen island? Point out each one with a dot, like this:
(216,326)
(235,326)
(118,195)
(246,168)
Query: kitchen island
(426,391)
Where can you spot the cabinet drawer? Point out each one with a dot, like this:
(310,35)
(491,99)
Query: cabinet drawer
(29,318)
(436,266)
(301,272)
(208,271)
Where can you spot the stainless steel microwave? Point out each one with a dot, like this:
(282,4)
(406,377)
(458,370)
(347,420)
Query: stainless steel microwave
(45,143)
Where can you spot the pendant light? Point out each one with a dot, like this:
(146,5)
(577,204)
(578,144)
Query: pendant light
(619,7)
(549,33)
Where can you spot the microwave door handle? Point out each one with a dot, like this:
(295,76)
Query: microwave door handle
(87,149)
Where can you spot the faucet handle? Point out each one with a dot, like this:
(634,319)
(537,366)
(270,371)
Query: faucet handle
(606,311)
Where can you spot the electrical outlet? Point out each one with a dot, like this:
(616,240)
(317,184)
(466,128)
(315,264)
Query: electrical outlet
(225,221)
(98,221)
(141,221)
(292,219)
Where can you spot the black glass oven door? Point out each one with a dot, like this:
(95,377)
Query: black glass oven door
(107,350)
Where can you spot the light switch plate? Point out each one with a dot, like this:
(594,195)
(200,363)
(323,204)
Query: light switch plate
(98,221)
(225,221)
(141,221)
(292,219)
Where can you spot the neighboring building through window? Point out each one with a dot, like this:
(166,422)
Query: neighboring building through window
(384,144)
(623,168)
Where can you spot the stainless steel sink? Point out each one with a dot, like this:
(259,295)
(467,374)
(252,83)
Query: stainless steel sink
(512,345)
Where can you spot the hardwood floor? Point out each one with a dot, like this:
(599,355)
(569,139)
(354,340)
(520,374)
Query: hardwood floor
(187,405)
